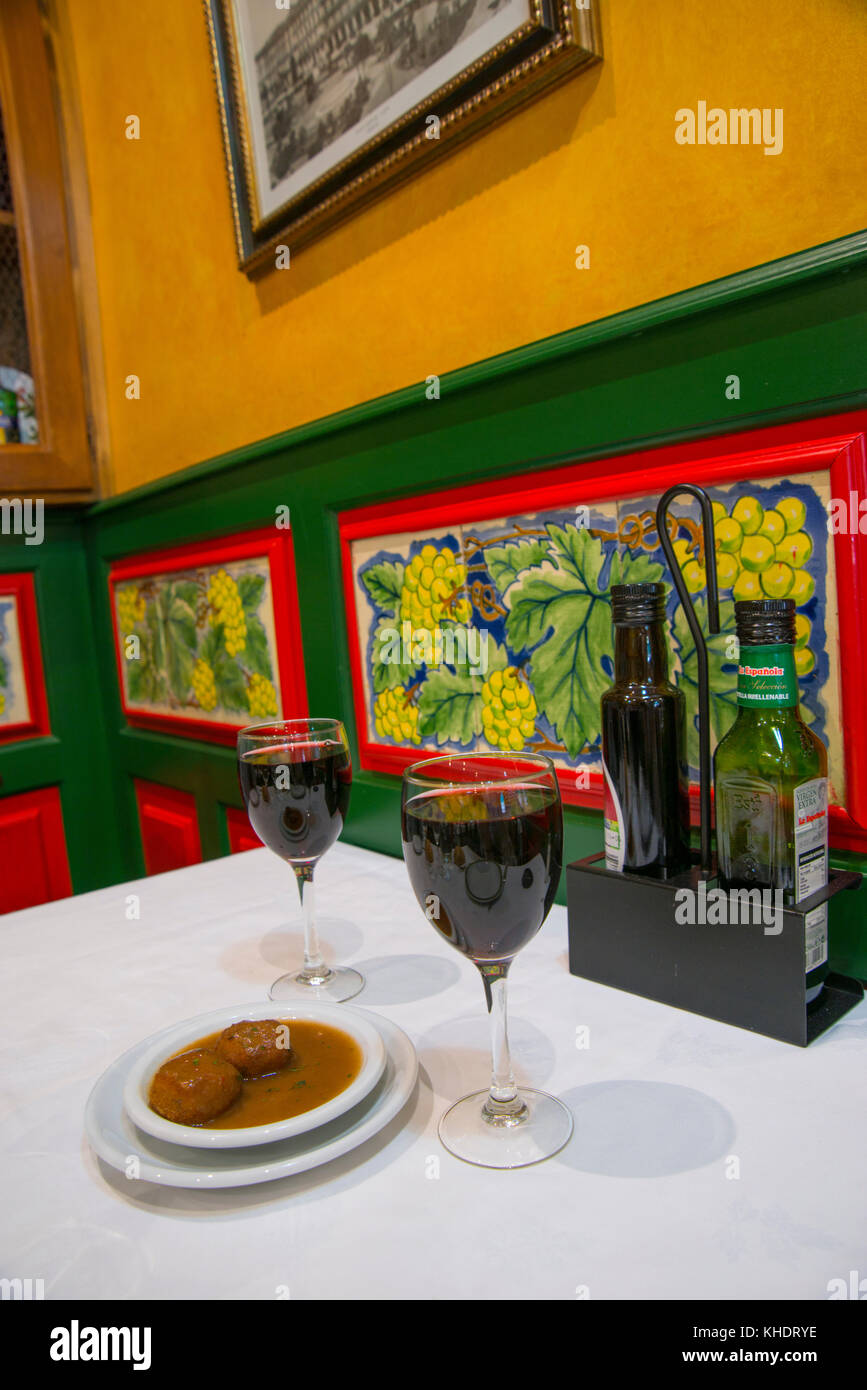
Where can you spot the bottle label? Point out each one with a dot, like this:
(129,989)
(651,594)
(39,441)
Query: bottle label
(767,676)
(816,932)
(615,836)
(811,863)
(811,837)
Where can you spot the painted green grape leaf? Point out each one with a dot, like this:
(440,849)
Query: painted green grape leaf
(576,552)
(384,582)
(481,654)
(144,683)
(179,669)
(256,655)
(389,674)
(722,683)
(139,681)
(495,657)
(135,682)
(229,681)
(180,640)
(506,562)
(634,569)
(182,623)
(156,635)
(189,591)
(4,672)
(250,589)
(566,617)
(568,678)
(449,707)
(211,643)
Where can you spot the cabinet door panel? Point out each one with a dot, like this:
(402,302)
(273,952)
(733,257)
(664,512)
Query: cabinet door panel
(169,827)
(242,836)
(33,865)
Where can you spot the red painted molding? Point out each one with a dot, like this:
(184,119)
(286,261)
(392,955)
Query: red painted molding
(242,836)
(277,547)
(834,444)
(169,827)
(34,867)
(21,588)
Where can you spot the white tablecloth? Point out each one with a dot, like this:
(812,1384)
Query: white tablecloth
(706,1162)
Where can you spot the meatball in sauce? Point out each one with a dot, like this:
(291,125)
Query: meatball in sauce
(194,1088)
(256,1048)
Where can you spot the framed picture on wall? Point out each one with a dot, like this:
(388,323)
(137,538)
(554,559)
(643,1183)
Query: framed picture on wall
(208,636)
(325,103)
(23,702)
(481,619)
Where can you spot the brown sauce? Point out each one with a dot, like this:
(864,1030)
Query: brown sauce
(323,1061)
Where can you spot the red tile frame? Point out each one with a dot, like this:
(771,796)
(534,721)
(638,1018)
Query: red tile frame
(834,444)
(21,587)
(277,546)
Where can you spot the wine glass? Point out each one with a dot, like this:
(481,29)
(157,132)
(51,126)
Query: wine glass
(295,777)
(483,842)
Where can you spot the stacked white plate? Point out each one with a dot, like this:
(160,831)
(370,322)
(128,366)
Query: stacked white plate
(124,1131)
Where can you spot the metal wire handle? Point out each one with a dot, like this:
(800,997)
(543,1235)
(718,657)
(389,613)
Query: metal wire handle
(697,636)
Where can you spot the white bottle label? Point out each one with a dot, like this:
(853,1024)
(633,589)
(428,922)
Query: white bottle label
(816,931)
(811,863)
(615,837)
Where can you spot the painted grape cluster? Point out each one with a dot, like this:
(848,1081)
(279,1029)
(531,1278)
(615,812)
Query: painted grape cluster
(760,554)
(432,585)
(509,710)
(130,608)
(395,717)
(226,608)
(262,696)
(204,685)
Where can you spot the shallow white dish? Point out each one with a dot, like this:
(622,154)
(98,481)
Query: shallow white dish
(161,1046)
(117,1141)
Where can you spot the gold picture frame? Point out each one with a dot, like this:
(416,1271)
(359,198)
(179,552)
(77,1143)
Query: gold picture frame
(287,189)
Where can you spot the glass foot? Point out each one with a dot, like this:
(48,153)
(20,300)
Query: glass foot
(542,1129)
(334,986)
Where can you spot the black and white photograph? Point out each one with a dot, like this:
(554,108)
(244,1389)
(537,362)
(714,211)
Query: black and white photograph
(329,75)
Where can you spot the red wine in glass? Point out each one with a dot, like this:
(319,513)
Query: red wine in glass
(295,778)
(490,859)
(483,844)
(297,796)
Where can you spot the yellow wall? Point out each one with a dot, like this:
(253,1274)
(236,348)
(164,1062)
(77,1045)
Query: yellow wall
(469,259)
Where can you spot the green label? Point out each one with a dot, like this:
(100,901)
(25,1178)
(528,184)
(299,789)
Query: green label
(767,676)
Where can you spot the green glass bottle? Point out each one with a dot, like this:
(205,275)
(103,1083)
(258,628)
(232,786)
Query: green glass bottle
(771,779)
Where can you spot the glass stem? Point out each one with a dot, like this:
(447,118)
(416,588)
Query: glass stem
(503,1106)
(315,970)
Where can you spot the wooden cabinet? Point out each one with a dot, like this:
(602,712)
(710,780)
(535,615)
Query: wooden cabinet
(34,232)
(169,827)
(33,865)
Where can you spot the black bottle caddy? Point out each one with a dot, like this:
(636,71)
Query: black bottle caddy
(624,929)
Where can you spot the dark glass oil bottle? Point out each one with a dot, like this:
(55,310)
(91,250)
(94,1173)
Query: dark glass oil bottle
(771,779)
(643,728)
